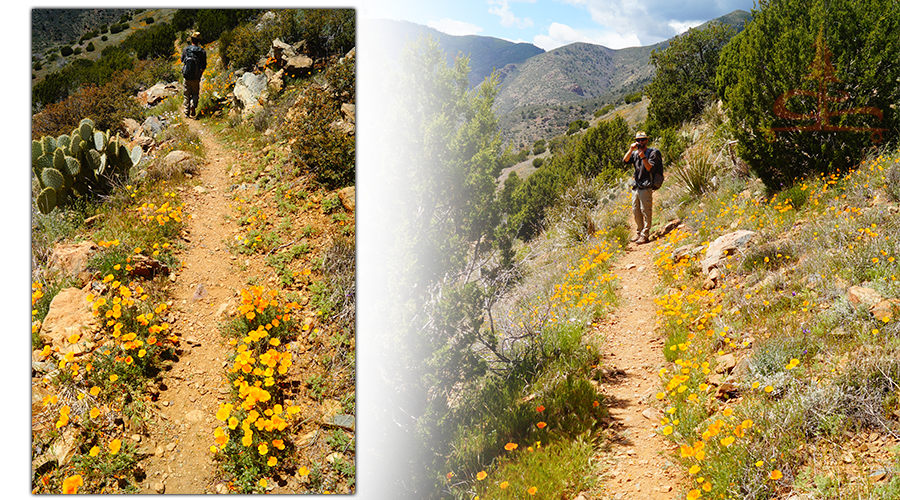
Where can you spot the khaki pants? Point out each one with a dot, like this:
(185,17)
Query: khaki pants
(642,207)
(191,95)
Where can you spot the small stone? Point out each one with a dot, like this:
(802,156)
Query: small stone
(136,438)
(159,488)
(878,476)
(194,416)
(170,446)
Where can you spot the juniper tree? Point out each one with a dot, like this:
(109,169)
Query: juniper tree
(805,82)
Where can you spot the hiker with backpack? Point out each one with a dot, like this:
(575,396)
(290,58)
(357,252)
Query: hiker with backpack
(193,58)
(648,176)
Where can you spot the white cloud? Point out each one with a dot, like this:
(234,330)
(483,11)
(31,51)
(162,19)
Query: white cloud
(652,21)
(507,18)
(680,27)
(560,34)
(456,28)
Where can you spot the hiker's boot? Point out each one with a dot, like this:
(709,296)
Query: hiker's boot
(642,240)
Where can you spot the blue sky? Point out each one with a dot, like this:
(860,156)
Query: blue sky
(553,23)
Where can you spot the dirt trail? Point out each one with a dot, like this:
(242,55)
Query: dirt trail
(210,278)
(637,465)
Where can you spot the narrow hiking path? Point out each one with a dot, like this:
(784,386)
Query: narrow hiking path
(637,464)
(208,283)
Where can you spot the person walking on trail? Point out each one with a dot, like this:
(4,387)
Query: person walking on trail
(645,160)
(193,59)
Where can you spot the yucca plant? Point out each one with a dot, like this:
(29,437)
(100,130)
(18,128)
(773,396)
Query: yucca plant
(696,174)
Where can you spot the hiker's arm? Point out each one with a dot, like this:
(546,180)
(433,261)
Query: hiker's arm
(648,166)
(627,158)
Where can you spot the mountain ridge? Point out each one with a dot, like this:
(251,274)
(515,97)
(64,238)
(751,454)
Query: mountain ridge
(542,91)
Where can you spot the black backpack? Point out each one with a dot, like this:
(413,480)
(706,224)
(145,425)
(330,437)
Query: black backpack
(191,68)
(658,175)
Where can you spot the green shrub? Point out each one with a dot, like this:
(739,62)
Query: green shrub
(605,109)
(157,41)
(785,49)
(324,150)
(537,162)
(685,75)
(327,31)
(576,126)
(66,51)
(90,47)
(245,45)
(211,23)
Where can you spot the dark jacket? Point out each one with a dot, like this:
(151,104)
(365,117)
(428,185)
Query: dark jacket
(200,55)
(643,178)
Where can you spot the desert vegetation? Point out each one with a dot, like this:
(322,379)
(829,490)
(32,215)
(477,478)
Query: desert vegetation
(100,386)
(779,377)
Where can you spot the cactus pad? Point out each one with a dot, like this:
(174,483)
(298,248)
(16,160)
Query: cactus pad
(48,143)
(73,166)
(46,201)
(99,141)
(86,131)
(45,161)
(93,158)
(37,149)
(50,177)
(59,159)
(136,154)
(63,141)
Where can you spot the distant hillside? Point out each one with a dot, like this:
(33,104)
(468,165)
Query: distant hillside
(45,54)
(574,73)
(61,26)
(485,53)
(541,92)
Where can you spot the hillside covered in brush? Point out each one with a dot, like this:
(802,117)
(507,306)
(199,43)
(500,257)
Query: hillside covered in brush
(193,279)
(773,267)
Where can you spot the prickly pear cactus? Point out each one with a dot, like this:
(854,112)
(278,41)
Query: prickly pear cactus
(83,162)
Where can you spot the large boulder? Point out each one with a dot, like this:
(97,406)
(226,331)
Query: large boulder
(71,259)
(291,58)
(298,64)
(882,309)
(70,318)
(724,246)
(157,93)
(249,90)
(347,196)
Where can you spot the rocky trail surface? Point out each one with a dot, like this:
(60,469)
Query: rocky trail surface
(637,464)
(210,279)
